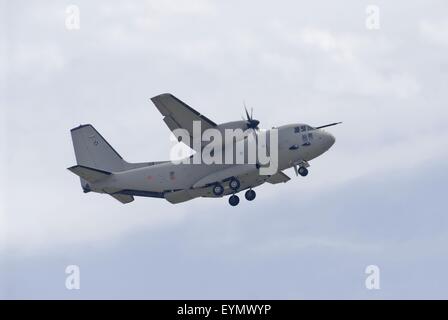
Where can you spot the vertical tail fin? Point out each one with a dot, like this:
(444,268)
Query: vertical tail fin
(93,151)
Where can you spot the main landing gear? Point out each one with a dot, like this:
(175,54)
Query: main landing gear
(250,195)
(234,185)
(234,200)
(218,189)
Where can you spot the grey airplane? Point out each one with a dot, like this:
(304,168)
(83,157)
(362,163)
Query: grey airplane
(102,170)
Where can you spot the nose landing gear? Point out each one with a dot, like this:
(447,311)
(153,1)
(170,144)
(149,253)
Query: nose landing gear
(303,171)
(301,168)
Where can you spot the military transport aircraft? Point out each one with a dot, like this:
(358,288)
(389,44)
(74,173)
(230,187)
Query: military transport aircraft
(103,170)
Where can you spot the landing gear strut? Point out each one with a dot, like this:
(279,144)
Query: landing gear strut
(234,200)
(250,195)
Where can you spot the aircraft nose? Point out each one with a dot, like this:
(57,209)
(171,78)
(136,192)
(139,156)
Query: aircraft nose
(330,139)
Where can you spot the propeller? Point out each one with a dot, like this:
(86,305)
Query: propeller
(251,122)
(328,125)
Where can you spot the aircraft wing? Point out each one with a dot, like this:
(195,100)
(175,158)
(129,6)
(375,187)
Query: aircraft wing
(178,115)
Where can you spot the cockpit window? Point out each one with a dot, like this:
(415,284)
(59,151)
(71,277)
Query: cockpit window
(303,128)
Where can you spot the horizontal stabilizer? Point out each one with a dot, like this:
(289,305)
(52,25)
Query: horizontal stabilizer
(89,174)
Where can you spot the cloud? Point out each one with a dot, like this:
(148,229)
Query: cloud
(436,32)
(375,197)
(35,60)
(341,47)
(288,65)
(180,7)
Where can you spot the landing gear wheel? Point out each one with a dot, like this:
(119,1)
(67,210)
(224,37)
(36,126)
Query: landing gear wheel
(250,195)
(218,189)
(234,184)
(303,171)
(234,200)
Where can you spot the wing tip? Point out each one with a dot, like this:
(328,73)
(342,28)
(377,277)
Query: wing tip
(72,168)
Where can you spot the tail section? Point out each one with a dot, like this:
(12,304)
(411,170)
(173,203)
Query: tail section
(96,160)
(91,175)
(93,151)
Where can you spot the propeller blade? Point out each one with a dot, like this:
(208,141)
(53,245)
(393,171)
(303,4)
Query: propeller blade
(254,132)
(251,122)
(247,114)
(328,125)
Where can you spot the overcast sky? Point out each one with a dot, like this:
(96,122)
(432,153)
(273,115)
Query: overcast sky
(376,198)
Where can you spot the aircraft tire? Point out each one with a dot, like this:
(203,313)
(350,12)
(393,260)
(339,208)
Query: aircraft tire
(303,171)
(234,200)
(250,195)
(218,189)
(234,184)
